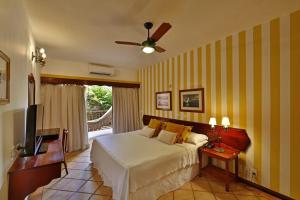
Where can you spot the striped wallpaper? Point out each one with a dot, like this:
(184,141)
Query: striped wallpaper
(254,78)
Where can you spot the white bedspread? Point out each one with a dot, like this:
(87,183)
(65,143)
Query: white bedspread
(129,161)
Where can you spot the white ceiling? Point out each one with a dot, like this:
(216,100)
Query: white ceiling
(85,30)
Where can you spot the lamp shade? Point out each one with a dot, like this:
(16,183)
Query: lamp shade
(42,50)
(148,49)
(225,122)
(212,122)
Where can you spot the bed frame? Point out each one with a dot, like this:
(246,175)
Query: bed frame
(234,137)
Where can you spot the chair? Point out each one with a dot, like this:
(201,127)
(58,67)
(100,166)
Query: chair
(65,147)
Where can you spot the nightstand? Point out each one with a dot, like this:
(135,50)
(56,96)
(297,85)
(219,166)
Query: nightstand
(227,156)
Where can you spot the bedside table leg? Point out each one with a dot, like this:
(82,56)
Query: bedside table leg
(236,162)
(228,176)
(200,164)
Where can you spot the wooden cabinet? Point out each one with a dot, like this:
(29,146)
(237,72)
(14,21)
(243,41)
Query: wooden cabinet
(28,173)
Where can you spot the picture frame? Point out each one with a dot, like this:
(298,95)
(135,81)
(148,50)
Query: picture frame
(191,100)
(163,100)
(4,78)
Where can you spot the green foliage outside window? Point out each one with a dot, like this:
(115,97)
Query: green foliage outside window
(99,98)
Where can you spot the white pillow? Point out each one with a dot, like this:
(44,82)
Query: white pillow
(167,137)
(196,138)
(147,132)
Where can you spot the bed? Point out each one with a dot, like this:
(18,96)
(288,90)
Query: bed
(137,167)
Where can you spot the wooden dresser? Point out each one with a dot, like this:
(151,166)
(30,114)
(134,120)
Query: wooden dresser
(28,173)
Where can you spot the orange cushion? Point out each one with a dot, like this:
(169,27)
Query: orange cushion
(155,124)
(176,128)
(186,133)
(163,125)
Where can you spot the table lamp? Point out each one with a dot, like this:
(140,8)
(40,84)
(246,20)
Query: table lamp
(212,122)
(225,122)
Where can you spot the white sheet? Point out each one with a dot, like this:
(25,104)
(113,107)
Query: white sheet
(165,185)
(130,161)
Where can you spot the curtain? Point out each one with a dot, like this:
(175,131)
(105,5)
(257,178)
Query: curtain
(125,109)
(65,107)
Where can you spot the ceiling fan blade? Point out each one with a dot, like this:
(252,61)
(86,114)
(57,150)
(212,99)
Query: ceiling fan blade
(159,49)
(164,27)
(128,43)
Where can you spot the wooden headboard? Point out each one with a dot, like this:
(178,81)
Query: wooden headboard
(234,137)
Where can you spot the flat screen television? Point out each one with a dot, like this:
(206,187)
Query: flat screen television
(34,121)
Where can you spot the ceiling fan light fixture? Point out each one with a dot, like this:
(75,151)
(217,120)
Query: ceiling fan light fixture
(149,45)
(148,49)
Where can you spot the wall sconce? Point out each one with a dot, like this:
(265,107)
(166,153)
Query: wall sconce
(39,56)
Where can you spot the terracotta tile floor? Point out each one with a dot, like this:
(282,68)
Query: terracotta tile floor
(84,183)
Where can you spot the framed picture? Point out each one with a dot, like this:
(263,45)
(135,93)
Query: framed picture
(164,100)
(191,100)
(4,78)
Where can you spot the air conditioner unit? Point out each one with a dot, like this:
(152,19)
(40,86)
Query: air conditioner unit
(101,70)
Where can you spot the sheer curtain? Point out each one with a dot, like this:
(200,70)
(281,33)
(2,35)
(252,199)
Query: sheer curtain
(65,107)
(125,109)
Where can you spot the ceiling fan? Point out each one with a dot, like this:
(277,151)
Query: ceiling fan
(149,45)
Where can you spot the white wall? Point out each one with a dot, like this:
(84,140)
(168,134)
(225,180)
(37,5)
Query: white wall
(72,68)
(16,42)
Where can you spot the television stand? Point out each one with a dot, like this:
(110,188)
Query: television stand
(28,173)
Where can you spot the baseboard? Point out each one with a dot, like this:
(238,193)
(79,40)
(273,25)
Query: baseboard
(264,189)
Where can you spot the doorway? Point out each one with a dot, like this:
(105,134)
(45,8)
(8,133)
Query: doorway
(99,110)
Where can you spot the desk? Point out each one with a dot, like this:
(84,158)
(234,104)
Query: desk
(28,173)
(48,134)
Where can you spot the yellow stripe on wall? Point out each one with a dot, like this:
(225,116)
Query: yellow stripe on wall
(192,77)
(242,80)
(229,65)
(185,70)
(149,90)
(218,81)
(176,89)
(142,98)
(140,93)
(164,78)
(178,79)
(229,82)
(208,82)
(185,77)
(173,88)
(145,90)
(155,87)
(168,83)
(257,65)
(275,103)
(242,88)
(285,99)
(151,96)
(200,83)
(162,83)
(295,105)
